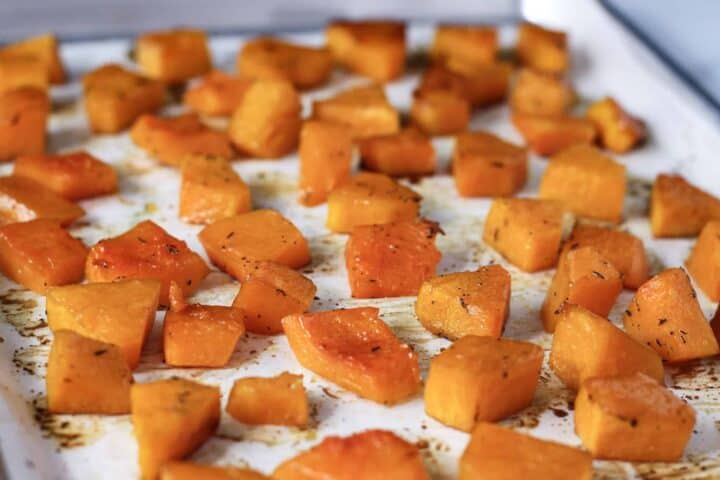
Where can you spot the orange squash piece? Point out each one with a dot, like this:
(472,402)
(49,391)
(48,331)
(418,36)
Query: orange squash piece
(43,49)
(86,376)
(665,315)
(542,49)
(439,112)
(481,85)
(391,260)
(23,199)
(217,94)
(679,208)
(527,232)
(537,93)
(464,44)
(550,135)
(173,56)
(481,379)
(171,419)
(408,153)
(23,118)
(279,400)
(632,418)
(619,131)
(21,71)
(38,254)
(357,350)
(704,261)
(499,453)
(326,152)
(193,471)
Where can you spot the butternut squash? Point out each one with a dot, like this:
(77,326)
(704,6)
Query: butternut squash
(703,264)
(481,85)
(465,44)
(620,132)
(679,208)
(279,400)
(326,153)
(538,93)
(438,111)
(21,71)
(173,56)
(408,153)
(43,49)
(542,49)
(217,94)
(23,119)
(23,199)
(550,135)
(193,471)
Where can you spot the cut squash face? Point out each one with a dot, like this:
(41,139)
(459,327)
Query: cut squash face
(279,400)
(326,151)
(464,44)
(679,208)
(23,199)
(619,131)
(405,154)
(43,49)
(23,120)
(536,93)
(550,135)
(193,471)
(542,49)
(704,261)
(173,56)
(437,111)
(217,94)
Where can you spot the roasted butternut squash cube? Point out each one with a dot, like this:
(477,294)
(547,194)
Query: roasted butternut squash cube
(86,376)
(632,418)
(355,349)
(73,176)
(527,232)
(365,110)
(372,48)
(679,208)
(146,251)
(465,303)
(439,112)
(550,135)
(326,152)
(217,94)
(370,199)
(481,85)
(279,400)
(210,190)
(115,97)
(408,153)
(619,131)
(38,254)
(173,56)
(391,260)
(269,58)
(537,93)
(193,471)
(499,453)
(665,315)
(23,199)
(464,44)
(121,313)
(21,71)
(23,118)
(44,49)
(704,261)
(542,49)
(267,122)
(257,235)
(171,419)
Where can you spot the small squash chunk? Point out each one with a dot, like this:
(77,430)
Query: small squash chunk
(44,49)
(632,418)
(86,376)
(171,419)
(365,110)
(23,117)
(74,176)
(371,48)
(23,199)
(481,379)
(146,251)
(586,182)
(619,131)
(679,208)
(464,44)
(355,349)
(550,135)
(193,471)
(465,303)
(585,278)
(623,250)
(500,453)
(370,199)
(527,232)
(326,152)
(665,315)
(438,111)
(279,400)
(268,58)
(21,71)
(704,261)
(267,122)
(391,260)
(586,345)
(408,153)
(257,235)
(217,94)
(210,190)
(173,56)
(542,49)
(485,165)
(537,93)
(481,85)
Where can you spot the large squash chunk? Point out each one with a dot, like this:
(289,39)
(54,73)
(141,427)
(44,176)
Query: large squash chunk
(279,400)
(542,49)
(121,313)
(481,85)
(370,455)
(19,71)
(326,151)
(38,254)
(586,182)
(665,315)
(632,418)
(370,199)
(23,118)
(257,235)
(217,94)
(173,56)
(704,261)
(537,93)
(499,453)
(192,471)
(146,251)
(408,153)
(171,419)
(586,345)
(86,376)
(550,135)
(464,44)
(585,278)
(487,166)
(619,131)
(465,303)
(357,350)
(23,199)
(527,232)
(481,379)
(391,260)
(679,208)
(437,111)
(44,50)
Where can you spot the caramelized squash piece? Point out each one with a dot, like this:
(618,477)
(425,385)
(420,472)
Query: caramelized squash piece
(481,379)
(217,94)
(704,261)
(279,400)
(355,349)
(173,56)
(193,471)
(21,71)
(550,135)
(43,49)
(86,376)
(408,153)
(542,49)
(439,112)
(23,199)
(23,118)
(464,44)
(679,208)
(481,85)
(632,418)
(665,315)
(326,152)
(619,131)
(391,260)
(537,93)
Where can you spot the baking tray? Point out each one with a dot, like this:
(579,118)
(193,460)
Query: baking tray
(607,59)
